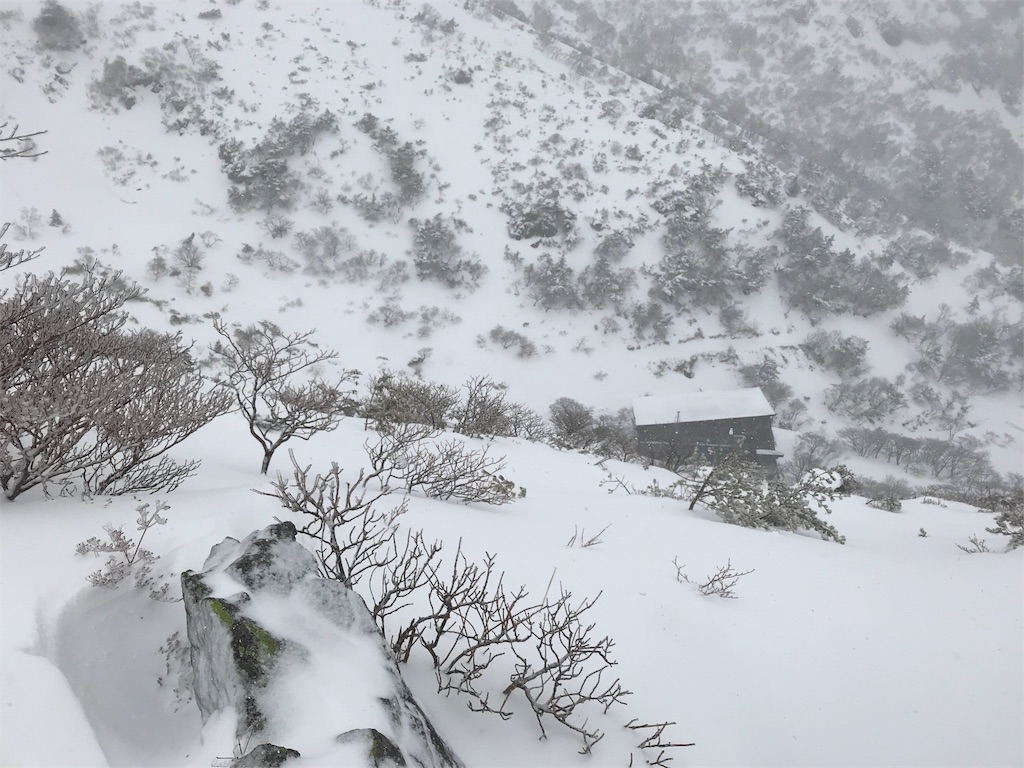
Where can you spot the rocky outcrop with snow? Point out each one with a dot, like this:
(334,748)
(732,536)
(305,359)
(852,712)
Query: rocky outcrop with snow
(299,658)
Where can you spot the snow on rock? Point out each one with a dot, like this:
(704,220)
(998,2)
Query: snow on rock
(298,658)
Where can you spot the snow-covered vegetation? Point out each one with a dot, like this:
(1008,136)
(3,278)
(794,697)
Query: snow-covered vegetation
(425,256)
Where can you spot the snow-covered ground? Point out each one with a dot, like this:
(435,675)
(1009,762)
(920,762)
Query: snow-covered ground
(894,649)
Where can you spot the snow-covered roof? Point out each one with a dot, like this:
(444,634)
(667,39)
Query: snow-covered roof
(701,406)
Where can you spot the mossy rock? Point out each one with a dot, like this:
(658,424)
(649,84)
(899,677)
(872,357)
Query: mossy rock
(381,750)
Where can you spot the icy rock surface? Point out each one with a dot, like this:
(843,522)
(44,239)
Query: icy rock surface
(298,657)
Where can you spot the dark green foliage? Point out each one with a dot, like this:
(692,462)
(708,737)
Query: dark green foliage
(820,282)
(866,400)
(738,491)
(765,375)
(982,352)
(430,18)
(260,176)
(836,352)
(614,245)
(57,28)
(438,256)
(552,284)
(699,268)
(650,320)
(761,183)
(696,268)
(1010,517)
(539,211)
(601,285)
(410,182)
(540,220)
(119,81)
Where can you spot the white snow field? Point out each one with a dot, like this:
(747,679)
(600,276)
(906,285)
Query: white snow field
(895,649)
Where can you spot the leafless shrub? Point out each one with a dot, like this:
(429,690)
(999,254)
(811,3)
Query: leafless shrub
(484,411)
(134,560)
(579,536)
(522,421)
(507,338)
(413,457)
(465,619)
(321,201)
(188,260)
(720,583)
(655,740)
(262,368)
(396,398)
(389,315)
(27,226)
(974,546)
(10,259)
(82,397)
(17,144)
(615,483)
(566,668)
(276,226)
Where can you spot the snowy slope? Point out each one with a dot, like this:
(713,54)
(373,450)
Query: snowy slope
(892,649)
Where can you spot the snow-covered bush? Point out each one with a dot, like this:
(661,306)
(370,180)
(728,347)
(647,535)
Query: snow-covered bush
(260,176)
(84,400)
(438,256)
(57,28)
(761,183)
(837,352)
(765,375)
(866,400)
(552,283)
(602,285)
(649,319)
(982,352)
(133,561)
(506,338)
(395,398)
(740,493)
(1009,518)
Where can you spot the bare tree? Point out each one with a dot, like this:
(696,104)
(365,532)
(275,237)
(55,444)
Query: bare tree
(81,396)
(264,368)
(16,144)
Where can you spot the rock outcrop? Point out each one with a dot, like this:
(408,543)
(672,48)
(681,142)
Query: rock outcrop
(299,659)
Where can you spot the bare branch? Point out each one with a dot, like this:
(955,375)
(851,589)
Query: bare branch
(21,144)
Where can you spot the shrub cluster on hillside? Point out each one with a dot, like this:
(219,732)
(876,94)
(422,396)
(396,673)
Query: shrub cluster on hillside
(819,281)
(260,176)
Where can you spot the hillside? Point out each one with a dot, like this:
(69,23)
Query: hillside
(480,188)
(570,201)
